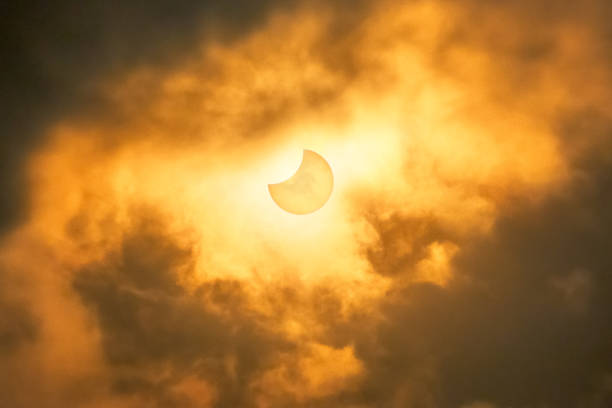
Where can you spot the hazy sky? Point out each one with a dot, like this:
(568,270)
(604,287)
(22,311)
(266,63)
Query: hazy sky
(464,259)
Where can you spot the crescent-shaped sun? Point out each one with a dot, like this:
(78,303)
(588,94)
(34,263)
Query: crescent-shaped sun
(308,189)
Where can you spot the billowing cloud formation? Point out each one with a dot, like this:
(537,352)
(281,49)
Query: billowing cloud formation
(462,260)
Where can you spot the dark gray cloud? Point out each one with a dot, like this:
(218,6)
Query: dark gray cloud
(19,329)
(395,232)
(527,319)
(17,325)
(149,322)
(55,53)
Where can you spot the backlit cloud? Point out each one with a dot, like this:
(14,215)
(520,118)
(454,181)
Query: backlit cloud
(461,261)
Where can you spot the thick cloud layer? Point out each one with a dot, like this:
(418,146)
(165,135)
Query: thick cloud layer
(55,54)
(463,260)
(527,321)
(149,322)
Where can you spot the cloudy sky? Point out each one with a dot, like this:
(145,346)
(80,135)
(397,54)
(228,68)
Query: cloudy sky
(464,259)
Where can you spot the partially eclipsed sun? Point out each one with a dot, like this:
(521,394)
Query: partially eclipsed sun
(308,189)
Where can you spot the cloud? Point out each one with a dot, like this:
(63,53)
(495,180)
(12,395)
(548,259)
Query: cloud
(525,320)
(462,259)
(156,334)
(18,326)
(57,55)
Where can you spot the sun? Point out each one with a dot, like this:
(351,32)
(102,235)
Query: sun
(308,189)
